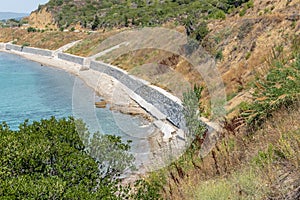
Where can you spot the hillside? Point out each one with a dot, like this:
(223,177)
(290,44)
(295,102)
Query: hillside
(242,45)
(94,14)
(256,47)
(42,39)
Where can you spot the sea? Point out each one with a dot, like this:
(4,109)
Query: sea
(32,91)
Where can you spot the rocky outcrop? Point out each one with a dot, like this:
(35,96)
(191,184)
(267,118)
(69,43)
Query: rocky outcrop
(42,19)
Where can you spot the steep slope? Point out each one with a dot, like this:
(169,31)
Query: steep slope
(243,45)
(248,43)
(42,19)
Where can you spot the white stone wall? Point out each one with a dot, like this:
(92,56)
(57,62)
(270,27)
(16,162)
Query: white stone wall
(2,46)
(170,107)
(13,47)
(71,58)
(37,51)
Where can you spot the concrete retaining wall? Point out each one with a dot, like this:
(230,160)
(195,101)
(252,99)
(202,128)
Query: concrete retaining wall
(37,51)
(2,46)
(71,58)
(13,47)
(167,104)
(169,107)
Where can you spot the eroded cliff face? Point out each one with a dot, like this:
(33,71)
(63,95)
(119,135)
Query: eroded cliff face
(42,19)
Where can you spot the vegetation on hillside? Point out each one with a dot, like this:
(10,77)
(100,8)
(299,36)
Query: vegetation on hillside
(280,87)
(60,159)
(41,39)
(95,14)
(257,156)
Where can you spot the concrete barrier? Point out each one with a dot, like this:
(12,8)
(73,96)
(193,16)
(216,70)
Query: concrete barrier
(156,98)
(2,46)
(37,51)
(13,47)
(170,107)
(71,58)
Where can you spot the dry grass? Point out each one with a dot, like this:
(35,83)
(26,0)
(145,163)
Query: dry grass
(91,44)
(244,184)
(246,165)
(48,40)
(159,67)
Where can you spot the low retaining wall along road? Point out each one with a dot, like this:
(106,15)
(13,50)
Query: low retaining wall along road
(159,103)
(71,58)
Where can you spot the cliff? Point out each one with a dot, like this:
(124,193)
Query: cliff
(42,19)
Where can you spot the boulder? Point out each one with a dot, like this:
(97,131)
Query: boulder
(100,104)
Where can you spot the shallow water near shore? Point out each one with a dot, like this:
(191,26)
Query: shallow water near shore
(34,92)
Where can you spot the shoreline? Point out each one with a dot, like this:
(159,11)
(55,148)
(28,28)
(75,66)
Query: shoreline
(165,142)
(107,88)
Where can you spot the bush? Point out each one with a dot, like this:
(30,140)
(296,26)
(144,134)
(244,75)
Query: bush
(48,160)
(219,55)
(25,44)
(137,12)
(192,110)
(281,87)
(31,29)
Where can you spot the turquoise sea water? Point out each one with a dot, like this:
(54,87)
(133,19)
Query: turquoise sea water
(31,91)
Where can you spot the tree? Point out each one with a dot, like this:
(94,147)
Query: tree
(192,110)
(48,160)
(95,23)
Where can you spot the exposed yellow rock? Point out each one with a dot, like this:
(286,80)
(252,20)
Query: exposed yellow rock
(100,104)
(42,19)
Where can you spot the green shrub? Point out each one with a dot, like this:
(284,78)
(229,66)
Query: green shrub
(247,56)
(31,29)
(242,12)
(281,87)
(56,159)
(220,14)
(26,44)
(192,111)
(219,55)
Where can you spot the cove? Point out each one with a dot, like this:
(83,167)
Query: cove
(34,92)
